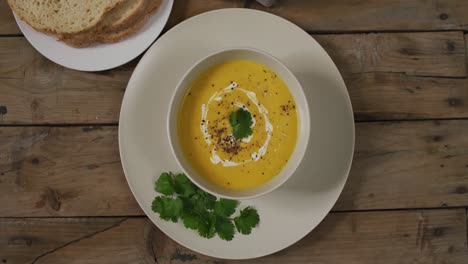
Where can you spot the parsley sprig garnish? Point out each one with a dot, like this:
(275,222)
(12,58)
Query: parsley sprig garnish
(241,122)
(200,210)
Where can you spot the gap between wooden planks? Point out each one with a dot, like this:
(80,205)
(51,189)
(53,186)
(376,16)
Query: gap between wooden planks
(76,171)
(326,15)
(389,76)
(420,236)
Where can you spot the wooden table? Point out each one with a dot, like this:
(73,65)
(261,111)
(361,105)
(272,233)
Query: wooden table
(64,198)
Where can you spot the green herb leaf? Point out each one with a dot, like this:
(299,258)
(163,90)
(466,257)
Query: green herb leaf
(207,227)
(241,122)
(200,210)
(225,207)
(183,186)
(168,208)
(202,201)
(165,184)
(225,228)
(191,220)
(208,199)
(247,220)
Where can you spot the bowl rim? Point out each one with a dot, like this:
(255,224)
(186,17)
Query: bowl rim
(172,137)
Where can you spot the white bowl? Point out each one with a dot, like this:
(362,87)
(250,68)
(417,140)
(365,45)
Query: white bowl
(301,105)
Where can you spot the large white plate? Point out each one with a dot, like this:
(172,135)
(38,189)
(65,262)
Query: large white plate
(293,210)
(103,56)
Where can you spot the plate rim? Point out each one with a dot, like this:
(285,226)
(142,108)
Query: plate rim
(352,131)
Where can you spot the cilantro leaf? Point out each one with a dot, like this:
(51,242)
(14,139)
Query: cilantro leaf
(241,122)
(225,207)
(225,228)
(200,210)
(165,184)
(207,227)
(202,201)
(168,208)
(191,220)
(247,220)
(208,199)
(183,186)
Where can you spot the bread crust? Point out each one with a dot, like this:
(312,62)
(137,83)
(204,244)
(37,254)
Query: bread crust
(109,34)
(121,34)
(56,32)
(128,20)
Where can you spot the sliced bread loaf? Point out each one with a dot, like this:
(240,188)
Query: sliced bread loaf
(62,16)
(114,36)
(103,33)
(123,15)
(118,18)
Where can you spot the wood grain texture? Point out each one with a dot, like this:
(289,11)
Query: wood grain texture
(408,165)
(50,171)
(379,70)
(466,47)
(427,54)
(184,9)
(25,240)
(7,21)
(61,171)
(387,96)
(423,236)
(372,15)
(328,16)
(35,90)
(15,55)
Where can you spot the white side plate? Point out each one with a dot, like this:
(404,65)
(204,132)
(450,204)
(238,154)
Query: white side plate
(103,56)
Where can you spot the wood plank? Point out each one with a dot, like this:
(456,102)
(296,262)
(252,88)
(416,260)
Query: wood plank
(184,9)
(387,96)
(466,46)
(23,240)
(426,54)
(423,236)
(50,171)
(15,55)
(328,16)
(372,15)
(37,91)
(7,21)
(61,171)
(408,165)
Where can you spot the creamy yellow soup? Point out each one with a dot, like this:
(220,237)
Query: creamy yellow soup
(206,134)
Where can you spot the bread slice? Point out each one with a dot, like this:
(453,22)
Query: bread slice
(62,17)
(123,15)
(103,33)
(118,18)
(115,36)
